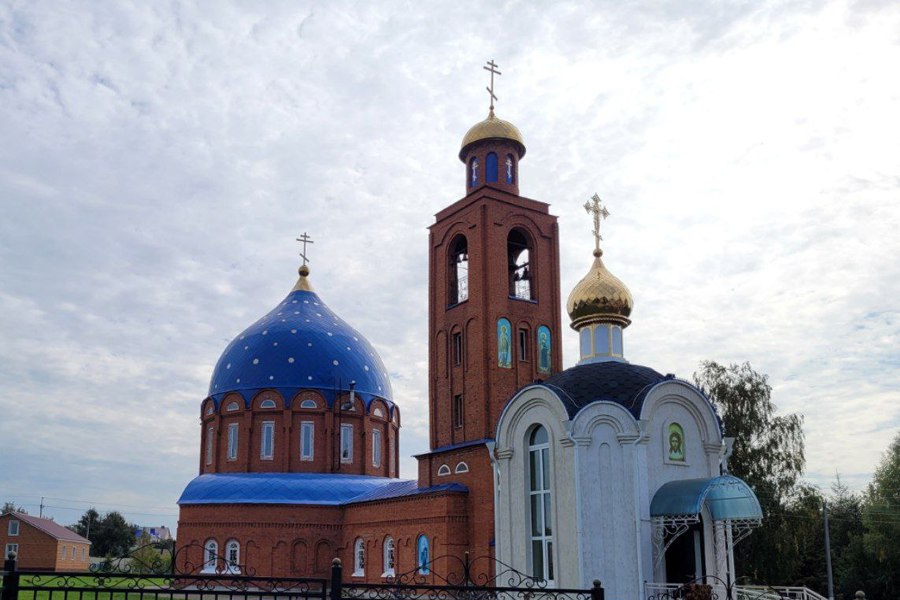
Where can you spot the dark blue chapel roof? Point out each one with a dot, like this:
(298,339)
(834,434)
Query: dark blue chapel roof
(300,344)
(612,381)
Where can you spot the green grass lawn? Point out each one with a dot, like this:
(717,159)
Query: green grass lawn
(88,587)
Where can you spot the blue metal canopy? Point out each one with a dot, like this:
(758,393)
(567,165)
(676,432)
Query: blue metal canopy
(728,498)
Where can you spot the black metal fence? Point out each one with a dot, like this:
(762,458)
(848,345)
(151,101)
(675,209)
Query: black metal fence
(138,578)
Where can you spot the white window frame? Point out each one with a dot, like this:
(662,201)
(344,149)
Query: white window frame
(268,403)
(232,441)
(309,404)
(74,553)
(308,428)
(11,548)
(389,554)
(346,443)
(461,467)
(13,528)
(83,553)
(233,556)
(376,448)
(443,470)
(540,495)
(359,558)
(267,453)
(210,439)
(62,552)
(210,556)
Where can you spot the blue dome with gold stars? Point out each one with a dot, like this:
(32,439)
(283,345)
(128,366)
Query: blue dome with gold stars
(301,344)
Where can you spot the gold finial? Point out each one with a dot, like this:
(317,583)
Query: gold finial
(492,67)
(594,209)
(304,239)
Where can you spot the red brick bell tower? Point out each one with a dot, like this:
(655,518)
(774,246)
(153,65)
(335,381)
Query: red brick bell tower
(494,305)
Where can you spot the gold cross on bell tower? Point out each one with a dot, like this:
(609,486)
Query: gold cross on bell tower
(492,67)
(598,212)
(304,239)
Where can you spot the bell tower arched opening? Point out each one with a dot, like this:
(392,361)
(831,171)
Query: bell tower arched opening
(519,250)
(458,270)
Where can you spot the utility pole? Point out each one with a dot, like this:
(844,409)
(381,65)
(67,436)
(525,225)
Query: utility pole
(828,552)
(41,515)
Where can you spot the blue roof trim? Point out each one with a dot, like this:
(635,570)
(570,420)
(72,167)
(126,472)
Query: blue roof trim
(322,489)
(408,488)
(300,344)
(441,449)
(727,498)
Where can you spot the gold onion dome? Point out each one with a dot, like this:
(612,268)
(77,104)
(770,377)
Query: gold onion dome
(492,128)
(600,297)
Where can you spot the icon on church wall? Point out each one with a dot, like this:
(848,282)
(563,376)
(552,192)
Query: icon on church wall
(423,554)
(543,339)
(474,179)
(676,442)
(509,169)
(504,344)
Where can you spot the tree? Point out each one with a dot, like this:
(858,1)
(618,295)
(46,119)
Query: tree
(110,535)
(768,454)
(11,507)
(881,517)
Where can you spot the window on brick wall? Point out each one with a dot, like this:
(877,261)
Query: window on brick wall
(376,448)
(210,438)
(210,556)
(388,557)
(11,548)
(457,410)
(523,344)
(13,527)
(232,441)
(307,433)
(346,443)
(267,443)
(457,349)
(62,553)
(359,558)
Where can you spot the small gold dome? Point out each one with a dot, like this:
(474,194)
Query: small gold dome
(492,128)
(600,297)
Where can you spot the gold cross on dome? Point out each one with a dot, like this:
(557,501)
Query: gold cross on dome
(304,239)
(492,67)
(596,210)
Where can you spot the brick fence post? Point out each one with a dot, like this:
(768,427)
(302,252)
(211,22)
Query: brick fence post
(336,579)
(597,592)
(10,578)
(860,595)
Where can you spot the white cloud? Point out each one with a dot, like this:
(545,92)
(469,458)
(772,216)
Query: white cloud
(160,160)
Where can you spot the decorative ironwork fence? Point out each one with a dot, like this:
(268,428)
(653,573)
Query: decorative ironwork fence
(150,573)
(483,578)
(157,572)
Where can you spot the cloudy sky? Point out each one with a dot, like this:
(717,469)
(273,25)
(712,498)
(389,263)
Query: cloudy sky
(158,160)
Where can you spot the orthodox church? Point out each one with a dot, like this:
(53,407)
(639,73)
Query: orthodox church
(607,470)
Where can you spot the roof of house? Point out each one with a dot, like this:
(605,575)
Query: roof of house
(50,527)
(323,489)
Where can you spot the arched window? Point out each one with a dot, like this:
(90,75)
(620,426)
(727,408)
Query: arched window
(541,504)
(388,557)
(462,468)
(267,404)
(510,169)
(231,406)
(233,556)
(443,470)
(459,270)
(359,558)
(378,413)
(473,172)
(518,250)
(308,404)
(490,167)
(423,555)
(210,556)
